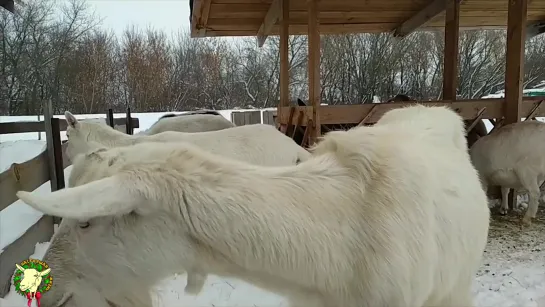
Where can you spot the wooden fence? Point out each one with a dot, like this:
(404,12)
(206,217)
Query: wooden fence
(47,166)
(251,117)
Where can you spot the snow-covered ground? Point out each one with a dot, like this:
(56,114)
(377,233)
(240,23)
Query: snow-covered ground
(512,272)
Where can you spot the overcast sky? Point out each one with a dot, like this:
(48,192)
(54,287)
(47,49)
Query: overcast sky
(167,15)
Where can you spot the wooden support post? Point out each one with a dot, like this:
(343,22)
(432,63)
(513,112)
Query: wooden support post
(514,69)
(110,118)
(450,62)
(128,122)
(284,60)
(314,91)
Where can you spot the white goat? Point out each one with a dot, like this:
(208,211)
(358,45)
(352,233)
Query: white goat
(258,144)
(262,145)
(195,121)
(513,157)
(369,220)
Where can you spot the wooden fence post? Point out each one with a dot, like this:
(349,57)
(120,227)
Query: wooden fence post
(128,122)
(110,118)
(54,150)
(514,67)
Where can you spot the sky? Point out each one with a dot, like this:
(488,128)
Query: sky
(167,15)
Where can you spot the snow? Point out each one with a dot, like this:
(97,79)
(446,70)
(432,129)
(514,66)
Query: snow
(18,217)
(512,272)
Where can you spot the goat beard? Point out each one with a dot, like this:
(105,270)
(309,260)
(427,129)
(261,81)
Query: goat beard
(30,296)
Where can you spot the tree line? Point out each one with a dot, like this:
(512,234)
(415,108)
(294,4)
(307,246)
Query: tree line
(59,51)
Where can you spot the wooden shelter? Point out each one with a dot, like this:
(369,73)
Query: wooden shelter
(261,18)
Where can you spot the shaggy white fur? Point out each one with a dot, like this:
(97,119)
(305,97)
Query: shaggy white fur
(513,157)
(367,221)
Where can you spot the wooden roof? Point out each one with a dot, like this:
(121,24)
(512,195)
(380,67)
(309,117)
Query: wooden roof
(246,17)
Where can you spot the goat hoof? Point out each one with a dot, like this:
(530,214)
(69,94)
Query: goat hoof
(503,211)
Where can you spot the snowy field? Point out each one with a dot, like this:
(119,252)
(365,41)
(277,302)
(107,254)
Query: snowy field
(512,272)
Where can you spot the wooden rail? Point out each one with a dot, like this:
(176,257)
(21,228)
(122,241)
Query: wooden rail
(31,126)
(353,114)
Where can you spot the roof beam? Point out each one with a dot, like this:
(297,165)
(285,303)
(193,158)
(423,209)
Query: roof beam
(274,14)
(430,11)
(199,20)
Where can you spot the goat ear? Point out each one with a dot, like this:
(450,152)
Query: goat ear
(71,119)
(116,195)
(43,273)
(20,267)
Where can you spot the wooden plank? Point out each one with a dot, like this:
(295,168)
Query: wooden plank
(474,22)
(353,114)
(268,117)
(334,29)
(272,18)
(450,63)
(242,118)
(411,7)
(217,13)
(25,127)
(432,9)
(26,176)
(491,19)
(314,82)
(21,127)
(301,29)
(284,55)
(514,70)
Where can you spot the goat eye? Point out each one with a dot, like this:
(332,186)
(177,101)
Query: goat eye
(83,225)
